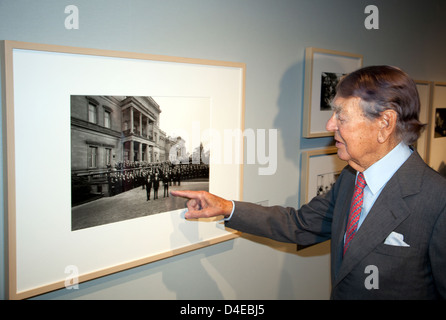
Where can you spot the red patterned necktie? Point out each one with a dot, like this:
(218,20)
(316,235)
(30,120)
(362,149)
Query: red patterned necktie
(355,210)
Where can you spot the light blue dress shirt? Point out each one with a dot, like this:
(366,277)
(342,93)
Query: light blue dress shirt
(378,174)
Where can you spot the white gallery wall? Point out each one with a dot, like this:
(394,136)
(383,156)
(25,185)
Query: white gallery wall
(270,36)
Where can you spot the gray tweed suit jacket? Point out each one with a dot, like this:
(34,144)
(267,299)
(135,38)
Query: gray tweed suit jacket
(413,204)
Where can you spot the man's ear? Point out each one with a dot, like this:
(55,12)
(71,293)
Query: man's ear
(387,125)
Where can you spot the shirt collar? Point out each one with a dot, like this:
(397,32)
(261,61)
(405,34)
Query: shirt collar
(378,174)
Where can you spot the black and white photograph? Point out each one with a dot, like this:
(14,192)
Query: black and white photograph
(325,181)
(329,81)
(129,152)
(440,123)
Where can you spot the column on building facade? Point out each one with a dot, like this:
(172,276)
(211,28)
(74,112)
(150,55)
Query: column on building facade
(131,151)
(131,120)
(147,130)
(146,154)
(140,151)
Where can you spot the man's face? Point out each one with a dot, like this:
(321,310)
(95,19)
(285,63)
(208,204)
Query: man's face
(356,136)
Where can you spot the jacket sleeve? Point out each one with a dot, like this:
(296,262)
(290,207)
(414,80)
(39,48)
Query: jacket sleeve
(308,225)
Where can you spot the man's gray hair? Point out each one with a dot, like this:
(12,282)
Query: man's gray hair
(382,88)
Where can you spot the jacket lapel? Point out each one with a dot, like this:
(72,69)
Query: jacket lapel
(386,214)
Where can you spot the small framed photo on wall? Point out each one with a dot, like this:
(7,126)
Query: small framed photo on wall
(437,129)
(320,169)
(323,70)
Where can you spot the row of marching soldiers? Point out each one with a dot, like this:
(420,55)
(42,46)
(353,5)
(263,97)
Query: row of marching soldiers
(154,176)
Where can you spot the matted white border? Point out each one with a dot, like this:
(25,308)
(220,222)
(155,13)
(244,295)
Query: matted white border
(318,61)
(39,80)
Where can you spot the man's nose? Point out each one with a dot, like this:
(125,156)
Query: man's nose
(332,124)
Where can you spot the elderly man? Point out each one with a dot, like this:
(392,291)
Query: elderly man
(387,210)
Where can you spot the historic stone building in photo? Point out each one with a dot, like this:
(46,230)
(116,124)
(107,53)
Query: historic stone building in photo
(109,132)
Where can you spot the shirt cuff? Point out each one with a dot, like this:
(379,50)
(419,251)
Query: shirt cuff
(232,212)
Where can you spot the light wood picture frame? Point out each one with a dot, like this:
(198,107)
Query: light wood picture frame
(323,69)
(43,253)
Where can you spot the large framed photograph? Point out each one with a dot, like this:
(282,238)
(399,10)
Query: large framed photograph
(320,169)
(94,142)
(437,129)
(323,70)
